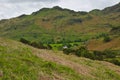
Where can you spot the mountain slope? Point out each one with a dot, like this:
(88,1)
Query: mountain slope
(112,9)
(19,61)
(57,23)
(101,46)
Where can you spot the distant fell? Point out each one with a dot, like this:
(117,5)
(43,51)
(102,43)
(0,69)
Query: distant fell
(112,9)
(60,25)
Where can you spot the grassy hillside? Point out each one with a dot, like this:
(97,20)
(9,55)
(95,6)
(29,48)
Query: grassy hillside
(57,24)
(22,62)
(99,45)
(17,62)
(97,31)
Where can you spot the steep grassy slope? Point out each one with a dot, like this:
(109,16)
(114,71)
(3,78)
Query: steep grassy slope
(22,62)
(57,23)
(18,63)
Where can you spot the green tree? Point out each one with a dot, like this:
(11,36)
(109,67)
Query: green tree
(82,51)
(106,39)
(23,40)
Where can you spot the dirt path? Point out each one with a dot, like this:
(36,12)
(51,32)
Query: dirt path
(50,56)
(112,67)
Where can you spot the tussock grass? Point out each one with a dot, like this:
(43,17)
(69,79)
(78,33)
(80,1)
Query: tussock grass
(18,63)
(22,62)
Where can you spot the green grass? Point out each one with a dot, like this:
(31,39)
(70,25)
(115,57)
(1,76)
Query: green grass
(18,63)
(33,28)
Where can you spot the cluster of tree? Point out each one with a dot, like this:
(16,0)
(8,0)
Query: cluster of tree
(47,44)
(68,41)
(106,55)
(80,52)
(115,30)
(106,37)
(39,45)
(94,55)
(114,61)
(74,20)
(102,55)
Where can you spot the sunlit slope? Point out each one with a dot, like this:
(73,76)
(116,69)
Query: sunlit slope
(19,61)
